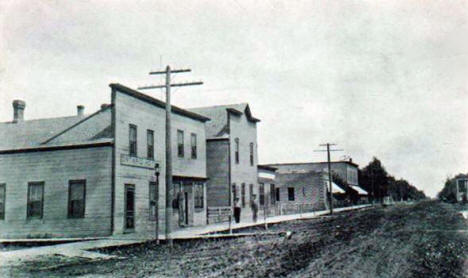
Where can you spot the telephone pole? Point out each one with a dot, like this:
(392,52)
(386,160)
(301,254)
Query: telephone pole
(329,170)
(168,86)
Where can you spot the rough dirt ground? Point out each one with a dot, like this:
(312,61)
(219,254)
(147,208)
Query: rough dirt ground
(428,239)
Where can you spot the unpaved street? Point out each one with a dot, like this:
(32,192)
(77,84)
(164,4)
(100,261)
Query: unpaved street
(428,239)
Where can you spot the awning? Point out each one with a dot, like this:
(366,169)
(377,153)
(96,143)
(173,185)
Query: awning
(359,190)
(337,189)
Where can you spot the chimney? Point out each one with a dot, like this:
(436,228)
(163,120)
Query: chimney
(18,110)
(104,105)
(350,160)
(80,110)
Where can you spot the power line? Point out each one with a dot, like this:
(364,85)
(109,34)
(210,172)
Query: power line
(168,86)
(329,170)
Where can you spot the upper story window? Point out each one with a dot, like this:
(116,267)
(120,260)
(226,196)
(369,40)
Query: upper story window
(150,143)
(251,154)
(180,143)
(2,201)
(76,199)
(193,143)
(236,150)
(35,200)
(132,138)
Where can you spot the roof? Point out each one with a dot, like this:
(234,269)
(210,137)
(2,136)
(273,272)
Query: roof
(32,134)
(308,163)
(297,178)
(157,102)
(359,190)
(218,114)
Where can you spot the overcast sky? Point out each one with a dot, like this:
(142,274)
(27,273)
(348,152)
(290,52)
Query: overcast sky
(379,79)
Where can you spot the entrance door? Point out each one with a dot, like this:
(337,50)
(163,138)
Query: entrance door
(129,207)
(186,208)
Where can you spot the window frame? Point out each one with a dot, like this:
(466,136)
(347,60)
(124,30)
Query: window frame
(180,145)
(132,149)
(291,197)
(150,147)
(70,213)
(199,200)
(3,202)
(193,147)
(28,210)
(261,194)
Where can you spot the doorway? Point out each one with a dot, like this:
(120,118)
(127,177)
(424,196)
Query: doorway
(129,207)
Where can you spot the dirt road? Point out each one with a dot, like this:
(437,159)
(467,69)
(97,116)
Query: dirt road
(428,239)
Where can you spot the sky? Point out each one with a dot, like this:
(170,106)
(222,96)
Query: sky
(385,79)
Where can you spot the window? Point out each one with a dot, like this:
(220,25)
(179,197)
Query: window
(303,191)
(261,193)
(76,199)
(243,195)
(236,151)
(251,154)
(199,196)
(291,193)
(35,200)
(150,143)
(2,201)
(251,193)
(153,197)
(132,136)
(277,192)
(272,194)
(193,142)
(180,143)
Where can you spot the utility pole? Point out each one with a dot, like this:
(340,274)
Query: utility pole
(329,170)
(168,86)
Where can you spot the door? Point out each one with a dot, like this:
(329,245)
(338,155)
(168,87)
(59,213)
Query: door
(186,208)
(129,207)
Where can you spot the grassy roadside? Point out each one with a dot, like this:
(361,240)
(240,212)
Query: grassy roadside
(403,241)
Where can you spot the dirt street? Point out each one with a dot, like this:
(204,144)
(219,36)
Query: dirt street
(429,239)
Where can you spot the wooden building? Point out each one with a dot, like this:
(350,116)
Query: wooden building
(94,175)
(231,159)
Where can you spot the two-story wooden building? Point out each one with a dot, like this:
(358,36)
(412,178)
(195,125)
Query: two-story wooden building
(94,175)
(231,157)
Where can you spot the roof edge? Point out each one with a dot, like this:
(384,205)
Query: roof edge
(156,102)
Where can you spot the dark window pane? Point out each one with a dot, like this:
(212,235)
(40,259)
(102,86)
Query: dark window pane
(193,141)
(35,200)
(132,140)
(180,143)
(291,193)
(150,144)
(76,203)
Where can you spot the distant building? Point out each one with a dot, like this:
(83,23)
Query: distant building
(231,158)
(94,175)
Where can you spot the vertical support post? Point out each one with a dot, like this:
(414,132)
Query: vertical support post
(330,178)
(168,158)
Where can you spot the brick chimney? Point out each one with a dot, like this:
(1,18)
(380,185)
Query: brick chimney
(18,110)
(79,110)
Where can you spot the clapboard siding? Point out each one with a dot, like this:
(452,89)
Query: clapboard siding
(55,169)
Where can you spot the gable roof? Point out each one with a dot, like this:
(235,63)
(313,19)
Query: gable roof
(40,132)
(217,126)
(176,110)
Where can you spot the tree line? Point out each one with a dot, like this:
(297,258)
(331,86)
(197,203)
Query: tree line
(379,184)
